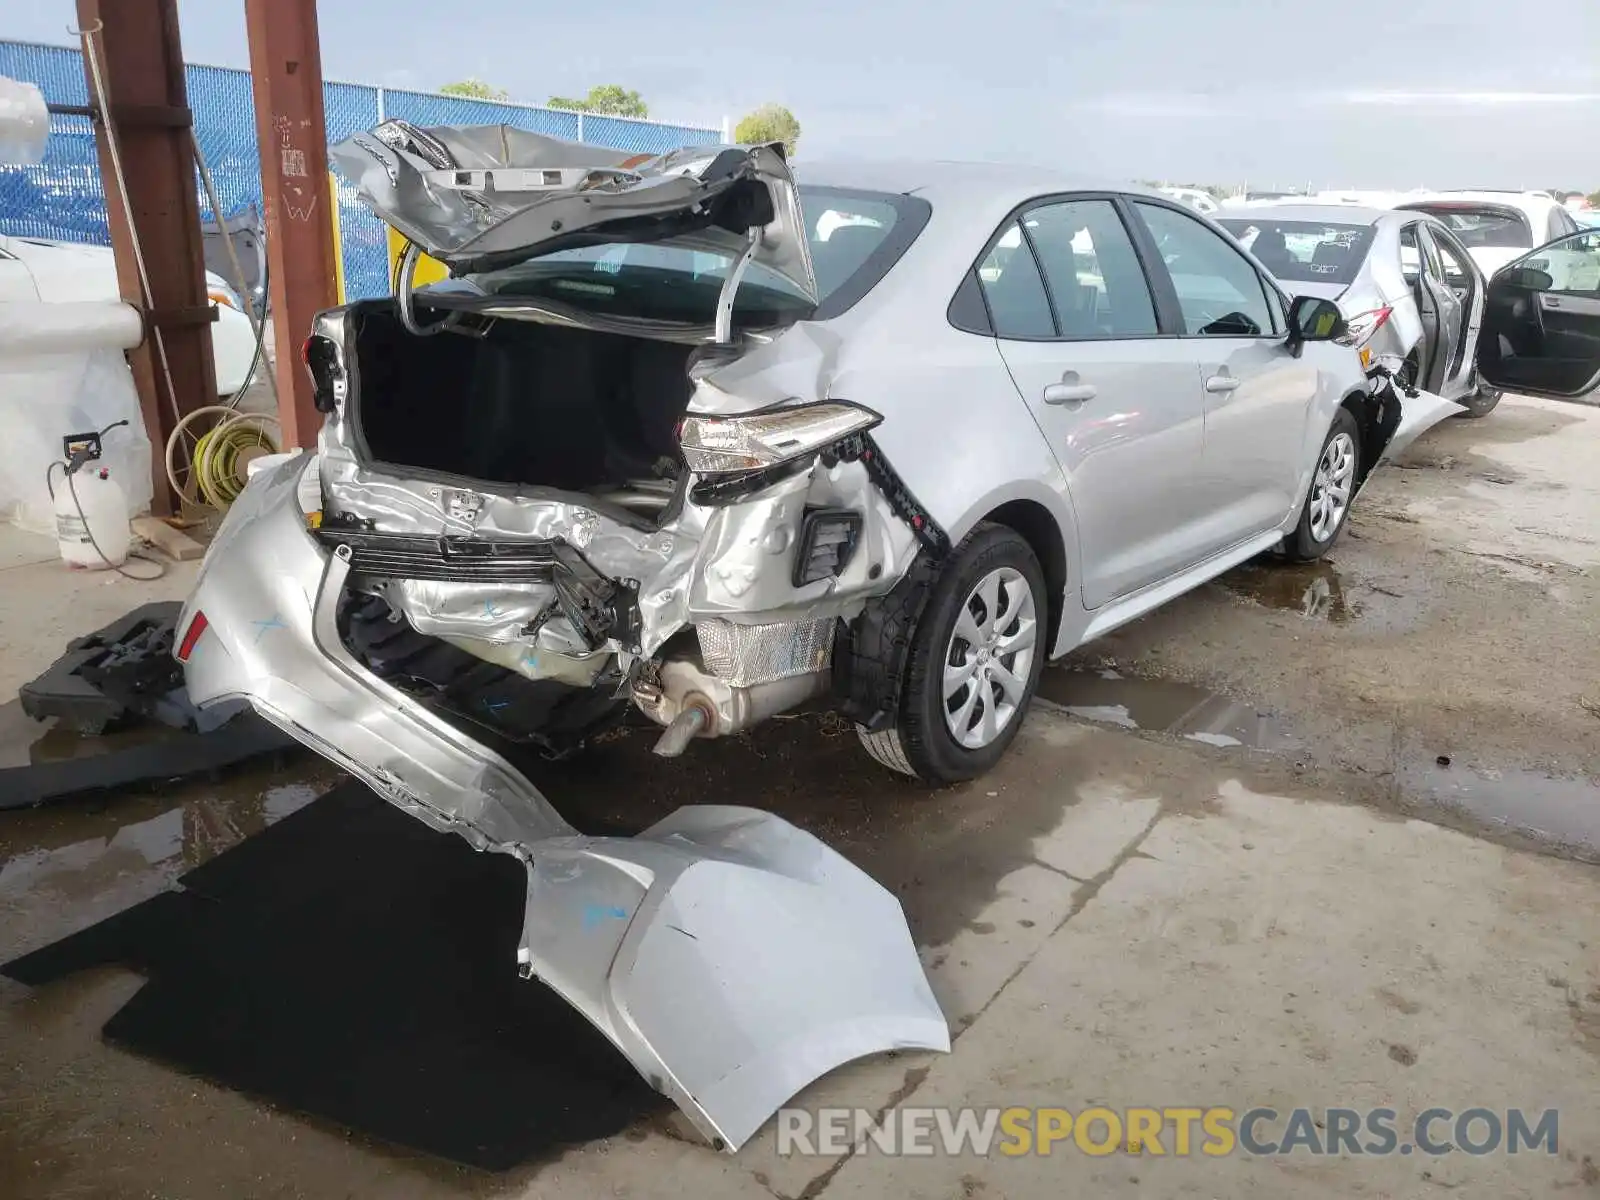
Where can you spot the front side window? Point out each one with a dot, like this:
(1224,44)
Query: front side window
(1091,269)
(1219,292)
(1572,264)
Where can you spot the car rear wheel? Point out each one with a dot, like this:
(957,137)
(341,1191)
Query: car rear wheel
(974,662)
(1333,487)
(1482,402)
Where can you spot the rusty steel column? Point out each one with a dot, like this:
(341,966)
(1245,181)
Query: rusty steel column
(141,61)
(286,73)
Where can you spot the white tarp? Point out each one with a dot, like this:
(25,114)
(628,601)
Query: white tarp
(24,123)
(63,370)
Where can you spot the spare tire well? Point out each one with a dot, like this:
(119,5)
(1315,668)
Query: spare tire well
(1039,529)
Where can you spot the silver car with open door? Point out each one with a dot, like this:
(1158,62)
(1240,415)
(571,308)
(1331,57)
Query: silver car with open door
(683,435)
(1407,287)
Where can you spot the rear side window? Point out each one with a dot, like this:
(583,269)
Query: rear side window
(1014,290)
(1092,272)
(1219,292)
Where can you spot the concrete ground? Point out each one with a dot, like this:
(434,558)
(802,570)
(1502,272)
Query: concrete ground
(1316,837)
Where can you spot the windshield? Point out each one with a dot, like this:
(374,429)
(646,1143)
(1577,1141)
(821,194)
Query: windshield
(1480,225)
(854,236)
(1305,251)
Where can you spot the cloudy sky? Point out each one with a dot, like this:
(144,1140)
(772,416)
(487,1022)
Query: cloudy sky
(1442,93)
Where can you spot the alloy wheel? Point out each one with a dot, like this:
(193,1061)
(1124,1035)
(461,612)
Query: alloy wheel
(989,659)
(1330,489)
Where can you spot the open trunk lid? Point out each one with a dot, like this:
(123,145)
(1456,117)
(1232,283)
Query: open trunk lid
(483,197)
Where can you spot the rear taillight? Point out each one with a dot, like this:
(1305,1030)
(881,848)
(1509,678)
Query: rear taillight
(191,635)
(770,438)
(1360,328)
(325,364)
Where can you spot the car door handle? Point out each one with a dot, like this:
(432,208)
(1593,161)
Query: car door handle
(1221,383)
(1068,392)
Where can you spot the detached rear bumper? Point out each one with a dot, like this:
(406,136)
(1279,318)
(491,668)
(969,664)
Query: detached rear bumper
(271,594)
(730,956)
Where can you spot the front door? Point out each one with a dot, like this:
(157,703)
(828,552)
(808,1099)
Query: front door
(1257,393)
(1541,325)
(1119,405)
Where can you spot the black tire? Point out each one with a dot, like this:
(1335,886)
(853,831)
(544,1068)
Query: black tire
(1481,403)
(920,742)
(1303,545)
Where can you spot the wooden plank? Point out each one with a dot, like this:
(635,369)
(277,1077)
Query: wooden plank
(174,543)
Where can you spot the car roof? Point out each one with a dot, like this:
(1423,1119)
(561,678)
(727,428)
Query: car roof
(1333,214)
(1536,206)
(953,181)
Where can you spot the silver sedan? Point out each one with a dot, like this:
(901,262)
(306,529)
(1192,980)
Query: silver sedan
(687,435)
(1408,287)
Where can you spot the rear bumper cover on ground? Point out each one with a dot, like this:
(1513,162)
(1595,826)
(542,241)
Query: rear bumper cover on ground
(731,957)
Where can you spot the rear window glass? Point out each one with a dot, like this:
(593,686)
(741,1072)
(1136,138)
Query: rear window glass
(1305,251)
(1483,226)
(854,237)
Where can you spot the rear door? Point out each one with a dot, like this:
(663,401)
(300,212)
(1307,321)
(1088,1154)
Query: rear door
(1541,325)
(1119,403)
(1449,314)
(1466,284)
(1258,394)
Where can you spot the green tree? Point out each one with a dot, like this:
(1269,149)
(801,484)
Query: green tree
(474,89)
(769,123)
(610,99)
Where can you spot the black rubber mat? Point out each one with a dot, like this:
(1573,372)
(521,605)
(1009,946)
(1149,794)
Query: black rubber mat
(354,965)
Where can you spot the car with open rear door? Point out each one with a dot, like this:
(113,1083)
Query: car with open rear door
(1408,289)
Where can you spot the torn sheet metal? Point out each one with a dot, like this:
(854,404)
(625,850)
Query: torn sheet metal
(479,197)
(730,562)
(732,958)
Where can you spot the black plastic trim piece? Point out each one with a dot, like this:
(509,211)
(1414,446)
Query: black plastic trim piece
(815,521)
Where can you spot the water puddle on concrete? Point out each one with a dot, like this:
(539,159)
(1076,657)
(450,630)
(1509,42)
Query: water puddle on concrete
(1562,811)
(1163,705)
(25,741)
(1321,592)
(79,858)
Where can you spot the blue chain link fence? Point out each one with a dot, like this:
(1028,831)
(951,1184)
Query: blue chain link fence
(64,197)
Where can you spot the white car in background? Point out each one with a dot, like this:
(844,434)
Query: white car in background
(1496,227)
(63,272)
(1195,198)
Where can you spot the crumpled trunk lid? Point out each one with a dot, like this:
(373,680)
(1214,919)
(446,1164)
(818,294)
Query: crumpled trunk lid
(482,197)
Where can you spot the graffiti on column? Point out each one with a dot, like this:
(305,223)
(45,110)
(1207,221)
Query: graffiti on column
(298,192)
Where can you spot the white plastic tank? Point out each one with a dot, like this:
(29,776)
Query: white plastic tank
(92,510)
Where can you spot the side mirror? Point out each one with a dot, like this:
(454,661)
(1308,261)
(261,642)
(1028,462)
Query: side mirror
(1312,319)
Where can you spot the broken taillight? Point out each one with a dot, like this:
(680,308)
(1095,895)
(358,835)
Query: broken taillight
(321,356)
(758,441)
(191,635)
(1360,328)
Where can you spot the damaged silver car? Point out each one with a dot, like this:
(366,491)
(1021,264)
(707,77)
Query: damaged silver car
(684,435)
